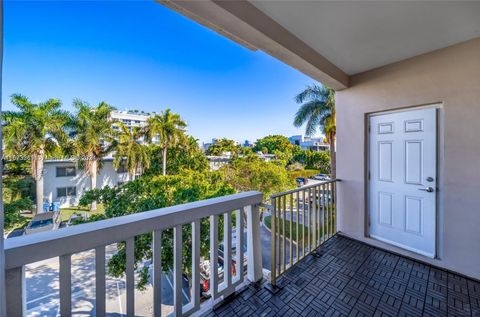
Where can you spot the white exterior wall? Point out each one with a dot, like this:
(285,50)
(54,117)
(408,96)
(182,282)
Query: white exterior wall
(107,176)
(307,143)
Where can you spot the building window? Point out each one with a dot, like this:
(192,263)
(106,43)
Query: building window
(66,171)
(66,191)
(122,168)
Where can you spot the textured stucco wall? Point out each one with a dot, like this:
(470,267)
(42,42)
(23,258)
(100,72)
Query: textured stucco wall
(450,76)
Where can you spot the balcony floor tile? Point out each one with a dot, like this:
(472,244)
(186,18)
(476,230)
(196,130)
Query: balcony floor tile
(351,278)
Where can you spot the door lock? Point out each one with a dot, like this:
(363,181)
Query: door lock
(427,189)
(430,179)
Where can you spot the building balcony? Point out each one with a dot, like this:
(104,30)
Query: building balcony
(303,266)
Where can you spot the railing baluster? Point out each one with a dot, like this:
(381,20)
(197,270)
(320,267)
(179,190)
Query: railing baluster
(130,275)
(284,246)
(319,215)
(196,264)
(214,256)
(314,217)
(324,213)
(66,285)
(254,248)
(303,224)
(296,224)
(177,271)
(334,196)
(157,273)
(15,291)
(309,220)
(291,229)
(100,281)
(273,228)
(319,201)
(279,226)
(239,246)
(329,210)
(227,249)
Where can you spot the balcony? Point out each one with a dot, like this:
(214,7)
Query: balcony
(312,270)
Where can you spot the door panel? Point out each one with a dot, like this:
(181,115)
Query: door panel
(402,165)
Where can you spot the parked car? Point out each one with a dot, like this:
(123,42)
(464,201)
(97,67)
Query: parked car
(75,219)
(301,181)
(43,222)
(320,177)
(205,272)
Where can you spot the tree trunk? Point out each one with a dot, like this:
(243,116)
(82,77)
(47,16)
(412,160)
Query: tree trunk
(39,180)
(93,181)
(333,156)
(164,161)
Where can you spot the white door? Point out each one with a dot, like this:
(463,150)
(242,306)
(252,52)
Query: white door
(402,179)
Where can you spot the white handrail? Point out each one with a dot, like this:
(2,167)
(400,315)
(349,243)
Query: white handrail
(45,245)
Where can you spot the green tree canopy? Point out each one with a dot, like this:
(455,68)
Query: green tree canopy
(92,132)
(17,197)
(152,192)
(130,150)
(223,145)
(252,173)
(313,160)
(35,131)
(272,143)
(317,111)
(169,128)
(181,157)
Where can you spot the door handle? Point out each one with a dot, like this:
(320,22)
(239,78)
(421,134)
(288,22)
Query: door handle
(427,189)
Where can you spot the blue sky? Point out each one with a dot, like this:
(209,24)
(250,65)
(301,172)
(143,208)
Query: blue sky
(141,55)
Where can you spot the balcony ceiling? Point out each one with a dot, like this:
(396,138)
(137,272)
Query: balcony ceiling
(332,40)
(357,36)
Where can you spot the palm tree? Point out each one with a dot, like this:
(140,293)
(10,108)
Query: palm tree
(93,132)
(130,150)
(36,131)
(317,110)
(170,129)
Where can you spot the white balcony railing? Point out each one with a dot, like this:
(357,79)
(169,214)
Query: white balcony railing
(65,242)
(301,220)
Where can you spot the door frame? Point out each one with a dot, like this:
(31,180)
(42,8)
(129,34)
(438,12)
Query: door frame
(440,164)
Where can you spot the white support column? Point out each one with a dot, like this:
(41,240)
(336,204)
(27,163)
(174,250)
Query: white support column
(254,249)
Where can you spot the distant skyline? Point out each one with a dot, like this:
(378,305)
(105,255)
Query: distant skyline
(142,55)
